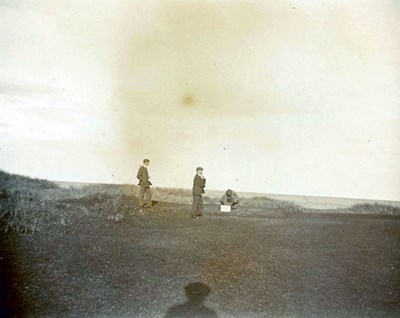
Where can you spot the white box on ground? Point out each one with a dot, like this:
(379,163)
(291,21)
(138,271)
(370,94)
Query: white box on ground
(225,208)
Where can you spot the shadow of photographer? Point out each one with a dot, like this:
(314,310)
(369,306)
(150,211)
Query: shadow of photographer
(196,294)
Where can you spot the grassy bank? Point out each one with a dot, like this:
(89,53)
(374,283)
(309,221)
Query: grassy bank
(33,205)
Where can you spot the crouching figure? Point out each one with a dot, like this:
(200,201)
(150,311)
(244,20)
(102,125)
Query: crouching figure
(230,198)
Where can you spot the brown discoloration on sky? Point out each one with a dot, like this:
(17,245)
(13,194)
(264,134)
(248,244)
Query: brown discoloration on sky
(268,96)
(193,64)
(188,100)
(201,47)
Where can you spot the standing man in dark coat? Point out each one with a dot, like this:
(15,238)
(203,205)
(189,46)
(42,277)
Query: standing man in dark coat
(199,183)
(144,183)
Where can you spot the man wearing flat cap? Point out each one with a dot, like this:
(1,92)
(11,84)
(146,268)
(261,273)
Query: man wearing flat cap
(199,183)
(144,183)
(230,198)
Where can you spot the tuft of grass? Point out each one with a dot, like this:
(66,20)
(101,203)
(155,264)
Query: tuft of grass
(173,195)
(29,205)
(23,205)
(13,183)
(367,208)
(268,203)
(23,215)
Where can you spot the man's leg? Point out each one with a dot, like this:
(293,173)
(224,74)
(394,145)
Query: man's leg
(148,194)
(141,195)
(195,205)
(200,207)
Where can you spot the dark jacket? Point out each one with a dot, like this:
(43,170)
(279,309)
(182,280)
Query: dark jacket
(143,176)
(198,185)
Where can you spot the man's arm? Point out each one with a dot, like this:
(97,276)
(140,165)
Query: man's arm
(223,199)
(140,173)
(199,181)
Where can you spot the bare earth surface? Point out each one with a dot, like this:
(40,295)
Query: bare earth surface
(255,264)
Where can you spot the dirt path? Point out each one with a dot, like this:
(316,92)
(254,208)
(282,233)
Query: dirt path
(300,265)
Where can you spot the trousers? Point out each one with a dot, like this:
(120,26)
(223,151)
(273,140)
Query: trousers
(145,191)
(197,206)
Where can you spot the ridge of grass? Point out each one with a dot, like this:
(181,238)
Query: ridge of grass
(30,205)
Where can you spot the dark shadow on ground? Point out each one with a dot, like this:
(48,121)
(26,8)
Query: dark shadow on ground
(196,294)
(12,302)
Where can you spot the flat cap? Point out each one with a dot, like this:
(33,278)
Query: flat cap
(199,168)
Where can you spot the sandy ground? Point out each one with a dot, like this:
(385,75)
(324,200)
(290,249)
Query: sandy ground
(266,264)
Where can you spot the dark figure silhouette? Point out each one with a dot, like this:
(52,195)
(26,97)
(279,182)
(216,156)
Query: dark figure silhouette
(194,306)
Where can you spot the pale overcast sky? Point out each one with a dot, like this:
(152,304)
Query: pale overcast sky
(292,97)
